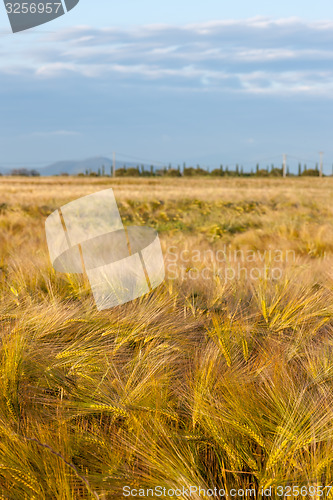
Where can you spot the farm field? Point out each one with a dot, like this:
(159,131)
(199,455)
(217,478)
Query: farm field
(220,378)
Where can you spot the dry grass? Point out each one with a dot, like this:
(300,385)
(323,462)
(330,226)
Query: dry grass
(208,381)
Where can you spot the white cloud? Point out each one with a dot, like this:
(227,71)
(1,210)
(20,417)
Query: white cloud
(257,55)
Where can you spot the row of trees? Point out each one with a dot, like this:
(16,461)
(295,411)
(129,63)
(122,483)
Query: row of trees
(142,171)
(24,172)
(237,171)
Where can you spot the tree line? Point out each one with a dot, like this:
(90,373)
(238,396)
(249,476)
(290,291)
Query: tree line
(184,171)
(24,172)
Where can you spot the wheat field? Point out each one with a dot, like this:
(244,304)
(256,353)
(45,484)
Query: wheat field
(220,378)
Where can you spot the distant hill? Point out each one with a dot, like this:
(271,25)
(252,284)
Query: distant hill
(73,167)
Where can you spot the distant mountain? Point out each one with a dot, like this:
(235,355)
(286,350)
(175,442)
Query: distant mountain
(73,167)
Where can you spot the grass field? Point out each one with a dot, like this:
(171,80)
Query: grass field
(221,378)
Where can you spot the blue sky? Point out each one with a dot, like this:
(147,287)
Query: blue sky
(170,82)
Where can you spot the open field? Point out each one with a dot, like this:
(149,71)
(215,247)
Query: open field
(221,378)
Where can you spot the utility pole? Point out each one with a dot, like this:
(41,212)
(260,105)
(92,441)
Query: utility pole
(284,165)
(114,165)
(321,164)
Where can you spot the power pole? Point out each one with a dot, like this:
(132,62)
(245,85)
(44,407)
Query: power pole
(284,165)
(321,164)
(114,165)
